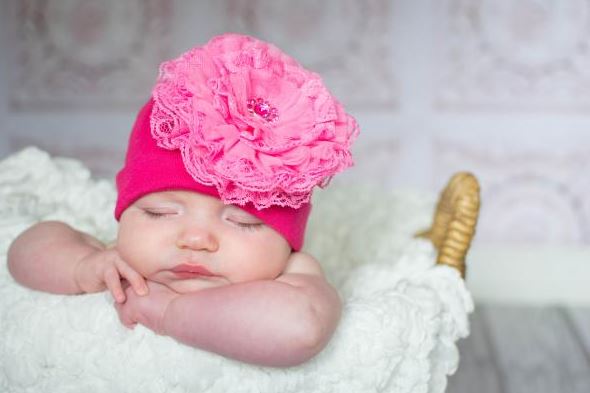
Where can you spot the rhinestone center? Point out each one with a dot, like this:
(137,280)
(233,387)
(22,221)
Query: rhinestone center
(262,108)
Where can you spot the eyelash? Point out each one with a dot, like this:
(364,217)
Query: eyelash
(152,214)
(248,226)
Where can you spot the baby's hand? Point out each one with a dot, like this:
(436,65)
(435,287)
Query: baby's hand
(147,310)
(104,269)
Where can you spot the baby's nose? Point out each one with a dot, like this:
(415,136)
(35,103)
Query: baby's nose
(197,238)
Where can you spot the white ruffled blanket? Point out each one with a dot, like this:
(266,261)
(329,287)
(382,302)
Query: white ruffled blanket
(402,314)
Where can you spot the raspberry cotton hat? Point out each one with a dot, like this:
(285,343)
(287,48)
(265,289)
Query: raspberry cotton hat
(239,120)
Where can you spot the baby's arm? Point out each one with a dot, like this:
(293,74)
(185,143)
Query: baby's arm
(282,322)
(53,257)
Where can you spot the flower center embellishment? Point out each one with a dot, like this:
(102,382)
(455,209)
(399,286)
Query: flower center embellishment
(262,108)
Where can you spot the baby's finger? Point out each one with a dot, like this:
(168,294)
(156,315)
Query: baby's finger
(113,283)
(135,279)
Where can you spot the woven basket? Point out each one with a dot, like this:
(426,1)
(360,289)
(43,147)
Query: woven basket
(455,219)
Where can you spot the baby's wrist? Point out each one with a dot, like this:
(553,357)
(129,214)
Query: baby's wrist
(77,272)
(162,326)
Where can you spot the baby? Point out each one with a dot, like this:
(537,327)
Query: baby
(213,200)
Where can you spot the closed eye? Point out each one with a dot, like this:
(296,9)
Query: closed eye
(156,213)
(251,226)
(248,225)
(242,219)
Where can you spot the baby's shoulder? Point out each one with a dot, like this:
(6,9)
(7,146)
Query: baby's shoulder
(303,263)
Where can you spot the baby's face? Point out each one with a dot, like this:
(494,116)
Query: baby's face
(190,241)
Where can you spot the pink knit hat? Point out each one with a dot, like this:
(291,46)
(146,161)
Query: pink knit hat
(239,120)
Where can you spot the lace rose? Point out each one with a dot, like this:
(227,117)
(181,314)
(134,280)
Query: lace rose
(251,121)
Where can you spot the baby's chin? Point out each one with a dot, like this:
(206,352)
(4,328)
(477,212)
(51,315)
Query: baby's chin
(194,285)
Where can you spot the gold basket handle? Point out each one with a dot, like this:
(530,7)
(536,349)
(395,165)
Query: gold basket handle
(455,219)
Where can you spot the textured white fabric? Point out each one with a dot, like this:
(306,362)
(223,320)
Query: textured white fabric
(402,314)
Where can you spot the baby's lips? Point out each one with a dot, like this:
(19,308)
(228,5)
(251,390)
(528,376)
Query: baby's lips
(192,269)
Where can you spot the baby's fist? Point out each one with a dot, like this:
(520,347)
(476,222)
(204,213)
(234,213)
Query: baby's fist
(146,310)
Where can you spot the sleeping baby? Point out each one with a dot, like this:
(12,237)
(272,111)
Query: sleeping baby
(212,204)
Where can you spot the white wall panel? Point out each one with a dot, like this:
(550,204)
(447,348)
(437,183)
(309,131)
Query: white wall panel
(91,55)
(523,54)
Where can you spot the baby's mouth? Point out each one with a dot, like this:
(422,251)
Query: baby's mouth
(187,270)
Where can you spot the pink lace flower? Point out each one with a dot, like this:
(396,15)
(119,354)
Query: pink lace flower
(251,121)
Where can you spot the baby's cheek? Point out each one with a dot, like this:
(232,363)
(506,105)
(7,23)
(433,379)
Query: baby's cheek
(136,247)
(133,256)
(271,266)
(279,259)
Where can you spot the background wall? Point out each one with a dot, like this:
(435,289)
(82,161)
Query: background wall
(500,88)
